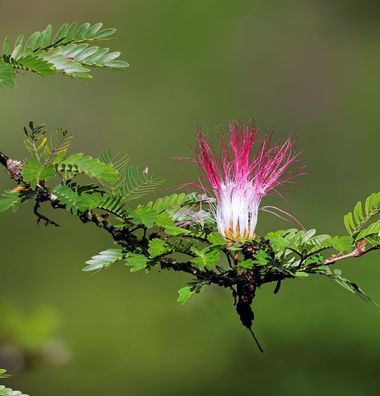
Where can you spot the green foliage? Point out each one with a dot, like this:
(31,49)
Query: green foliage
(77,199)
(69,52)
(261,258)
(216,239)
(138,183)
(3,374)
(113,204)
(185,294)
(43,150)
(9,200)
(7,75)
(169,202)
(136,261)
(120,163)
(356,221)
(157,247)
(89,166)
(103,260)
(336,275)
(34,173)
(206,257)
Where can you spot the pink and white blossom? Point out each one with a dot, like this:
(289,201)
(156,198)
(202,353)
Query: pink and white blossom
(240,177)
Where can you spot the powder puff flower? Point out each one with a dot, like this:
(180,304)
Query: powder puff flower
(240,181)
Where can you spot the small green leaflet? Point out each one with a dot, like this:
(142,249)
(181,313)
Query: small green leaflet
(145,216)
(206,257)
(246,264)
(136,261)
(3,374)
(157,247)
(7,75)
(33,172)
(174,230)
(216,239)
(341,244)
(185,294)
(372,230)
(9,200)
(261,258)
(103,260)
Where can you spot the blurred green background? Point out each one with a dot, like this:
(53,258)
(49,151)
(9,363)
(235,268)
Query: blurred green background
(308,68)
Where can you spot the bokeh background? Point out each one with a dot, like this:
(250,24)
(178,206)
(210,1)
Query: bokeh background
(306,68)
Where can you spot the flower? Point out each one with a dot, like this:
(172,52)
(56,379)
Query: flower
(241,180)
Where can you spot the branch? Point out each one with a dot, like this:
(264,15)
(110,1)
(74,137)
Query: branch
(358,252)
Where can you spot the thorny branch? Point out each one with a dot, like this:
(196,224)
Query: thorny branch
(243,283)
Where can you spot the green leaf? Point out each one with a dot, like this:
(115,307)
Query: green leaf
(9,200)
(68,53)
(277,240)
(170,202)
(89,166)
(144,216)
(34,64)
(6,47)
(136,261)
(157,247)
(185,294)
(3,374)
(216,239)
(341,244)
(261,258)
(206,257)
(355,222)
(17,51)
(175,231)
(138,183)
(7,75)
(246,264)
(301,274)
(346,283)
(33,172)
(372,230)
(113,204)
(77,202)
(104,259)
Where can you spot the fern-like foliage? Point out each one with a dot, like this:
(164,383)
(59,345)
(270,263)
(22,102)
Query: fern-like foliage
(104,259)
(172,202)
(113,204)
(69,52)
(92,167)
(358,223)
(138,183)
(77,199)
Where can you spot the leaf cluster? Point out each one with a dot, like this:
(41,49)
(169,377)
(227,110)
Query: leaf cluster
(69,52)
